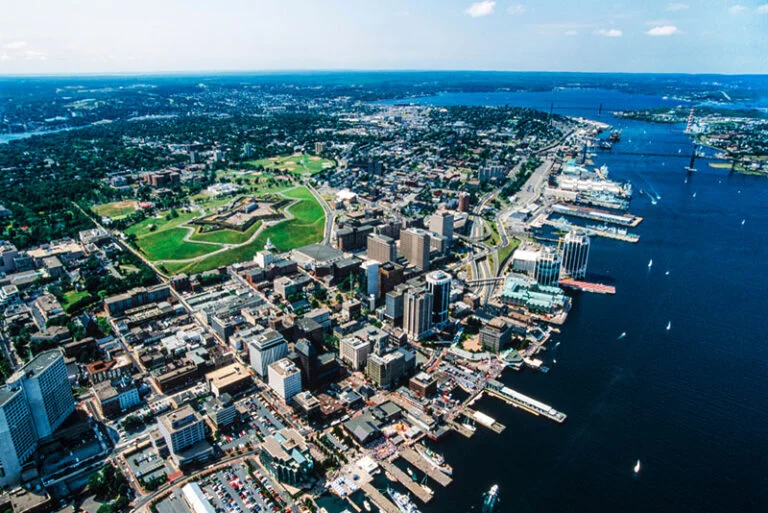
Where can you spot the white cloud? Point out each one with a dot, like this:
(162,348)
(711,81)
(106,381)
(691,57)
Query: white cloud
(609,32)
(5,57)
(15,45)
(677,7)
(516,10)
(736,9)
(34,55)
(762,9)
(663,30)
(571,33)
(479,9)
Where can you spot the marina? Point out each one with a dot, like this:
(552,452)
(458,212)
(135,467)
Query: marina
(378,498)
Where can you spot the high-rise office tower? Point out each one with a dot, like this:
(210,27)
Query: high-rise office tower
(381,248)
(46,387)
(18,438)
(414,245)
(441,223)
(575,254)
(417,313)
(548,263)
(439,285)
(264,349)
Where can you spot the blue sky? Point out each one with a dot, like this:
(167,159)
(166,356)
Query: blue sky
(92,36)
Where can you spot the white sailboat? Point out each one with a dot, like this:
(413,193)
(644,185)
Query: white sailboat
(637,467)
(623,334)
(650,263)
(669,325)
(743,221)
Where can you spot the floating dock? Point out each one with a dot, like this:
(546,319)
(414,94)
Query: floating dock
(383,503)
(528,404)
(420,463)
(597,288)
(406,480)
(596,214)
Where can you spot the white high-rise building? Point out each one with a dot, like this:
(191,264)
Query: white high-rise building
(439,285)
(575,254)
(370,269)
(18,438)
(46,386)
(354,351)
(441,223)
(265,349)
(285,379)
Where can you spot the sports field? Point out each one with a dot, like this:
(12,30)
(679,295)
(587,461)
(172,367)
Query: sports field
(299,164)
(115,210)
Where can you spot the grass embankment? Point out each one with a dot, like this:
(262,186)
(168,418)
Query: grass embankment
(307,227)
(166,240)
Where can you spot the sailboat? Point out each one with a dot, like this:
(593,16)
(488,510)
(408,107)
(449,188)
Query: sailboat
(694,194)
(743,221)
(623,334)
(650,263)
(637,467)
(669,325)
(367,505)
(666,273)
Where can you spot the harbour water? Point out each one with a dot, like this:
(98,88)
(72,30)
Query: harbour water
(690,402)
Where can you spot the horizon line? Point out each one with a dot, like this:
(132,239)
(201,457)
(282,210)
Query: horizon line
(289,71)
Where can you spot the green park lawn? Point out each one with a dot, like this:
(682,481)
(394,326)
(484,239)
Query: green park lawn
(299,163)
(73,296)
(115,210)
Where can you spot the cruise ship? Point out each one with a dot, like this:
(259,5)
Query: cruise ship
(435,459)
(402,501)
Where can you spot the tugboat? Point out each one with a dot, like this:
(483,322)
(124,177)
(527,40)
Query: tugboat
(402,501)
(435,459)
(490,499)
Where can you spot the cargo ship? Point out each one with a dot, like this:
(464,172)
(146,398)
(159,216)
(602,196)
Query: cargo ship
(435,459)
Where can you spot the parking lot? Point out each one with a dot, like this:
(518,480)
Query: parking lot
(232,490)
(258,423)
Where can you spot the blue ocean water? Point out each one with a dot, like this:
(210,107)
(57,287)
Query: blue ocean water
(691,403)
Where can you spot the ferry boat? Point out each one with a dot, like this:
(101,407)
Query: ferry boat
(435,459)
(402,501)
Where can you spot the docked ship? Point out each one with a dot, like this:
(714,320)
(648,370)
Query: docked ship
(615,136)
(435,459)
(402,501)
(491,499)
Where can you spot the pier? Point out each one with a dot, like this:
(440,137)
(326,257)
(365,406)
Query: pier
(382,502)
(608,233)
(406,480)
(528,404)
(423,465)
(596,214)
(597,288)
